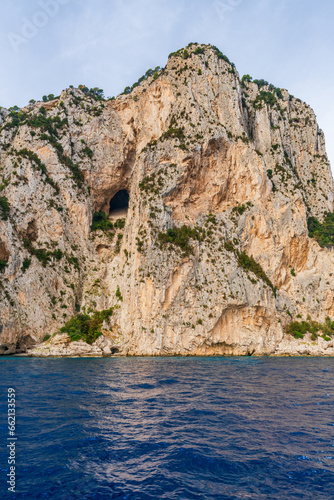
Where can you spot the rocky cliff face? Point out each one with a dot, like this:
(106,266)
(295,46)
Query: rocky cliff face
(216,170)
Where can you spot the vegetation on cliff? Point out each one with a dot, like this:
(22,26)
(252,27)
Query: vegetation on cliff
(101,222)
(299,328)
(50,258)
(85,327)
(180,236)
(323,233)
(43,255)
(3,265)
(4,208)
(248,263)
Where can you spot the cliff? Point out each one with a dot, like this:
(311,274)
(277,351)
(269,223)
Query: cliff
(207,183)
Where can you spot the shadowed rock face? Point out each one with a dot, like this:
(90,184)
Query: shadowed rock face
(240,165)
(119,205)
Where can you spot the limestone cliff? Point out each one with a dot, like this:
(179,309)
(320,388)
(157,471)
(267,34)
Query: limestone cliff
(218,177)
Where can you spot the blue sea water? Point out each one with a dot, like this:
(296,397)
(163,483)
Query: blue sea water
(170,428)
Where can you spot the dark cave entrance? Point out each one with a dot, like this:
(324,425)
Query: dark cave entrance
(119,204)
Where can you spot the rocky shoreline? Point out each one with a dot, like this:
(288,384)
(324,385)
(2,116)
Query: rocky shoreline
(60,345)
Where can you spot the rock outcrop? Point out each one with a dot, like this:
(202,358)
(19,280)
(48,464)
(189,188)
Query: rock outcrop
(60,345)
(208,251)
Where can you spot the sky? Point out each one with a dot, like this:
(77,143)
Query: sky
(47,45)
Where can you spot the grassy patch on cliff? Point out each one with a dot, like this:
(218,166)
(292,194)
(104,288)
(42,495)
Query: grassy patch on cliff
(149,72)
(323,233)
(299,328)
(180,236)
(85,327)
(3,264)
(34,160)
(264,98)
(249,264)
(4,208)
(101,222)
(43,255)
(49,128)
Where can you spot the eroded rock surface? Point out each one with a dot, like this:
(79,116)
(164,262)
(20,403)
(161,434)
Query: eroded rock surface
(241,163)
(61,345)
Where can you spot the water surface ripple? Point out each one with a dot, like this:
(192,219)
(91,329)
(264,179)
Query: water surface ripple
(171,428)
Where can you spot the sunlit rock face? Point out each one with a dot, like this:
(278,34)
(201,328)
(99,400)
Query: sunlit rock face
(240,166)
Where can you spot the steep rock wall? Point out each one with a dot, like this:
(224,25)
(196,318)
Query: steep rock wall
(241,162)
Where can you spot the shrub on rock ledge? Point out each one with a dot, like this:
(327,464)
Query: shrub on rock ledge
(85,327)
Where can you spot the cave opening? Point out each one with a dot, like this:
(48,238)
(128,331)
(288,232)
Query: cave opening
(119,204)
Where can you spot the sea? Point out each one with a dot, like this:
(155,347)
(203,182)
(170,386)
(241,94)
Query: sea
(168,428)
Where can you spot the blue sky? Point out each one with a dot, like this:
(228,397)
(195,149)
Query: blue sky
(46,45)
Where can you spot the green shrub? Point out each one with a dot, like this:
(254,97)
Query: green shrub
(119,294)
(95,93)
(118,242)
(43,255)
(150,72)
(3,265)
(246,78)
(33,158)
(228,245)
(47,337)
(140,244)
(17,116)
(239,209)
(4,208)
(250,264)
(101,222)
(279,94)
(119,224)
(180,237)
(174,133)
(264,97)
(148,184)
(87,151)
(26,263)
(323,233)
(299,328)
(49,97)
(57,254)
(261,83)
(272,88)
(221,55)
(49,128)
(85,327)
